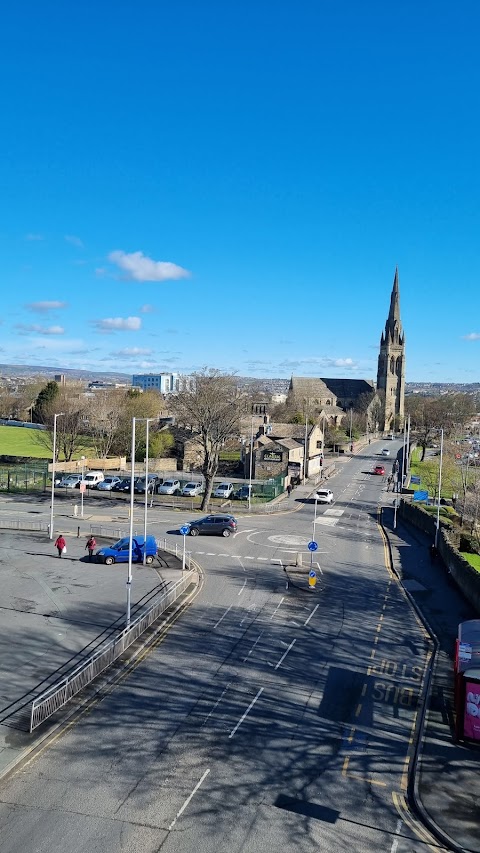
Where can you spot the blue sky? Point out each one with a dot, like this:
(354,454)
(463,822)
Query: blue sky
(232,185)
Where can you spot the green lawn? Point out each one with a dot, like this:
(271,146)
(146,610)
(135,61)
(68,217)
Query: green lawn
(33,443)
(473,559)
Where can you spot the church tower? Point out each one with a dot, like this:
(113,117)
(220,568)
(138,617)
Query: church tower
(391,364)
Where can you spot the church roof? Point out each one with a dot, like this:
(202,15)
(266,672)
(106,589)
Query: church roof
(308,388)
(349,387)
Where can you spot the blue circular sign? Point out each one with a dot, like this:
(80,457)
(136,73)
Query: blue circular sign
(184,529)
(312,574)
(312,546)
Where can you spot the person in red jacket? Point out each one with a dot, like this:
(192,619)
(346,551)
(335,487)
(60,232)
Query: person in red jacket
(60,544)
(91,545)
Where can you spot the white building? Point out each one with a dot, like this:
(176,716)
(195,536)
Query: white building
(165,383)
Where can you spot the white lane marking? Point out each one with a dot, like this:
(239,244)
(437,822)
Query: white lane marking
(190,796)
(311,614)
(278,605)
(243,587)
(251,530)
(236,557)
(211,554)
(337,512)
(222,617)
(199,552)
(327,521)
(285,654)
(395,841)
(222,555)
(249,558)
(252,703)
(262,559)
(216,704)
(255,643)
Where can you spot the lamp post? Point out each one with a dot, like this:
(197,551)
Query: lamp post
(82,486)
(351,419)
(147,420)
(305,452)
(439,488)
(54,457)
(250,468)
(130,544)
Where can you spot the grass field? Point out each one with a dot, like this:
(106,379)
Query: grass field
(473,559)
(33,443)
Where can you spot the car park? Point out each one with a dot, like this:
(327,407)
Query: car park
(169,487)
(93,478)
(379,469)
(191,490)
(108,484)
(324,496)
(213,525)
(120,551)
(224,490)
(71,481)
(385,451)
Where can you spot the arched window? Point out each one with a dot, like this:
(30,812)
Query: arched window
(399,366)
(392,365)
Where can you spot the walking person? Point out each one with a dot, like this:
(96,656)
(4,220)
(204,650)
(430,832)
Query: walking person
(61,545)
(91,545)
(289,489)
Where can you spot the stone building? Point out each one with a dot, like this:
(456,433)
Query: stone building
(391,365)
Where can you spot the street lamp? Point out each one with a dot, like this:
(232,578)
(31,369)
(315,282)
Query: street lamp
(147,420)
(439,488)
(82,485)
(130,544)
(251,468)
(57,415)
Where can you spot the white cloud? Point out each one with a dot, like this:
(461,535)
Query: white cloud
(147,309)
(74,241)
(34,237)
(115,324)
(318,364)
(24,328)
(44,307)
(131,352)
(139,267)
(473,336)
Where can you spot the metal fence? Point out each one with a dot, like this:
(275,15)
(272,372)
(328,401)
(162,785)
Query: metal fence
(59,694)
(18,524)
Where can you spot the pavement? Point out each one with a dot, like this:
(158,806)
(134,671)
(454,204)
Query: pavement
(444,785)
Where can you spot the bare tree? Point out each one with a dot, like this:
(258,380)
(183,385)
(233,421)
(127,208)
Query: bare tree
(105,412)
(211,408)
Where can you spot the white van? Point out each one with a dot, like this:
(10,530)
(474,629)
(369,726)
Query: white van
(93,478)
(324,496)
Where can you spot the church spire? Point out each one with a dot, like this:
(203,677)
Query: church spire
(393,326)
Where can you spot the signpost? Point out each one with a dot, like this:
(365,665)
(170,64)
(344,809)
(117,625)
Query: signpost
(415,479)
(184,530)
(312,579)
(420,495)
(312,546)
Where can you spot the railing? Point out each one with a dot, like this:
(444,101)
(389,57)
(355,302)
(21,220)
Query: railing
(19,524)
(59,694)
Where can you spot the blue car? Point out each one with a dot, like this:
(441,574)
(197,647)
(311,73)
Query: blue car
(119,553)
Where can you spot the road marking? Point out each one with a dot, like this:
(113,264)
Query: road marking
(216,704)
(243,587)
(401,806)
(263,559)
(311,614)
(255,643)
(236,557)
(285,654)
(190,797)
(398,827)
(252,703)
(211,554)
(278,605)
(222,617)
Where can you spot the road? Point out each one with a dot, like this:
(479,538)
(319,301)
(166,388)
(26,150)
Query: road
(270,717)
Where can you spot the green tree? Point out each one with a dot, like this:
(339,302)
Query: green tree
(44,404)
(211,407)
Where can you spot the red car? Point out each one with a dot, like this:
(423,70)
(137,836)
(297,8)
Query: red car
(379,469)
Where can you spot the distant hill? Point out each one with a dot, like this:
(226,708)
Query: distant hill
(27,370)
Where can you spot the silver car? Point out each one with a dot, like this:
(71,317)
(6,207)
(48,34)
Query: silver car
(191,490)
(169,487)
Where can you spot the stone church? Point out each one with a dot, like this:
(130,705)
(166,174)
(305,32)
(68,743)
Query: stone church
(384,402)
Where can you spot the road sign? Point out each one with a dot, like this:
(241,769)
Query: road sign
(312,579)
(312,573)
(312,546)
(184,529)
(83,487)
(420,496)
(415,479)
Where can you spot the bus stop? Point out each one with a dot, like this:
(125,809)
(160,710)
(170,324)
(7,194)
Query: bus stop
(467,681)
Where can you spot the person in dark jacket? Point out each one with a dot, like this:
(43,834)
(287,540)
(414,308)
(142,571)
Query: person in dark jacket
(60,544)
(91,545)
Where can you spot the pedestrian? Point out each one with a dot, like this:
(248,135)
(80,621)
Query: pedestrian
(289,489)
(389,482)
(91,545)
(433,552)
(61,545)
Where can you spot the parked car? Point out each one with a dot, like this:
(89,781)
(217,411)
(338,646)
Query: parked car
(59,477)
(243,492)
(71,481)
(385,451)
(153,479)
(213,525)
(169,487)
(93,478)
(119,553)
(324,496)
(108,484)
(379,469)
(122,485)
(190,490)
(224,490)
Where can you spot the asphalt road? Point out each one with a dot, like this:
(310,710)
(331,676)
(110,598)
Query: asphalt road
(270,717)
